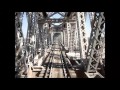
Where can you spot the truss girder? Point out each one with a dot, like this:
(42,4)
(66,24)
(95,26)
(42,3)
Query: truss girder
(65,37)
(83,41)
(19,57)
(30,34)
(72,37)
(96,43)
(40,37)
(69,33)
(50,14)
(56,20)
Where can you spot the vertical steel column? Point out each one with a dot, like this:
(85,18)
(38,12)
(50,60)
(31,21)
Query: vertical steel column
(29,15)
(95,44)
(66,35)
(35,42)
(70,38)
(66,38)
(73,37)
(37,39)
(82,34)
(30,37)
(68,32)
(52,36)
(76,37)
(62,37)
(19,55)
(41,34)
(49,36)
(45,35)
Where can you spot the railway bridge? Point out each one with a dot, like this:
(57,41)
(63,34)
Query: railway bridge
(60,51)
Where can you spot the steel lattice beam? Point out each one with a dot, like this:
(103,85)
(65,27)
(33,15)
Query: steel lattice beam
(40,37)
(72,37)
(19,57)
(83,41)
(69,33)
(55,20)
(95,45)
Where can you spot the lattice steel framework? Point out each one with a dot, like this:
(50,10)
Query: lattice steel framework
(30,39)
(65,38)
(19,48)
(69,33)
(72,37)
(40,37)
(83,41)
(96,43)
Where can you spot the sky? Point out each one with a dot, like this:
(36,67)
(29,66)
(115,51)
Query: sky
(25,24)
(87,26)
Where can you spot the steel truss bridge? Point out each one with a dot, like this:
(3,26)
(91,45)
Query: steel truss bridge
(60,51)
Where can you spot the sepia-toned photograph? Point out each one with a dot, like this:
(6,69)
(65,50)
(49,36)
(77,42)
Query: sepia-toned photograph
(59,45)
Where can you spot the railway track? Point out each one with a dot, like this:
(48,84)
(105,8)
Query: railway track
(55,66)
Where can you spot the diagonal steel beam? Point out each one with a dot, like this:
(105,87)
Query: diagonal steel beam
(52,14)
(61,14)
